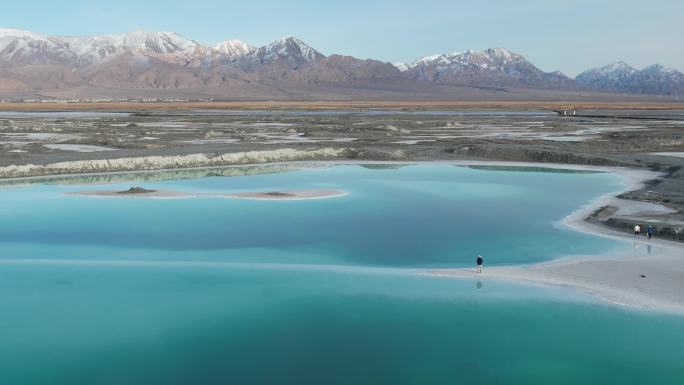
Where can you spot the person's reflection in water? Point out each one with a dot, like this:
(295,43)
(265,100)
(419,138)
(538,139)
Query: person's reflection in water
(478,285)
(648,249)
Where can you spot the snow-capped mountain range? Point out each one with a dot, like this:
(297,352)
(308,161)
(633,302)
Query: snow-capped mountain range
(24,47)
(622,77)
(233,48)
(32,61)
(495,65)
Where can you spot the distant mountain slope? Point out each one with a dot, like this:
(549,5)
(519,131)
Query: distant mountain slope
(346,70)
(621,77)
(132,70)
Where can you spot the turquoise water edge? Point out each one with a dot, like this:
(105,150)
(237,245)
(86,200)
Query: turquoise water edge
(223,291)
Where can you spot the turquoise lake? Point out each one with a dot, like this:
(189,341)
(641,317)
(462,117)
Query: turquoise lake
(330,291)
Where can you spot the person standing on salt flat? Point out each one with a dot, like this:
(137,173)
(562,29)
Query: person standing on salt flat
(479,261)
(637,230)
(650,230)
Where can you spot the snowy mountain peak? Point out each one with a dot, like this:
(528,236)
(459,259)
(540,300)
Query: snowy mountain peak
(233,48)
(403,67)
(291,45)
(19,33)
(619,66)
(494,67)
(156,42)
(487,58)
(429,59)
(655,79)
(492,55)
(93,49)
(502,53)
(655,67)
(25,47)
(288,50)
(612,73)
(660,69)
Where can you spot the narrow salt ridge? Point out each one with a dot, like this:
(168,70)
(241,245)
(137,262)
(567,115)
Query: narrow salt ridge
(123,263)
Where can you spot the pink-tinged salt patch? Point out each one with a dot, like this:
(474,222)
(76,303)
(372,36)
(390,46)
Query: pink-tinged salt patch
(285,195)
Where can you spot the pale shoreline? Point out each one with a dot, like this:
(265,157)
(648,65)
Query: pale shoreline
(613,279)
(616,280)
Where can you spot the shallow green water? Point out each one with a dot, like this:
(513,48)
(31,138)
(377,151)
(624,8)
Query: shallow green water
(214,291)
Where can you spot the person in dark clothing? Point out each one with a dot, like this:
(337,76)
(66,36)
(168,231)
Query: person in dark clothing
(479,261)
(650,231)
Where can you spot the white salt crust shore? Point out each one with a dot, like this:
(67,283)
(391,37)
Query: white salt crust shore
(615,279)
(653,282)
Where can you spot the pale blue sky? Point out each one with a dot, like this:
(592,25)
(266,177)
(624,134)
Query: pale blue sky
(555,35)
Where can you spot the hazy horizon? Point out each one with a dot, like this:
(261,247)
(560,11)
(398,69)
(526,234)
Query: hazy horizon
(553,36)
